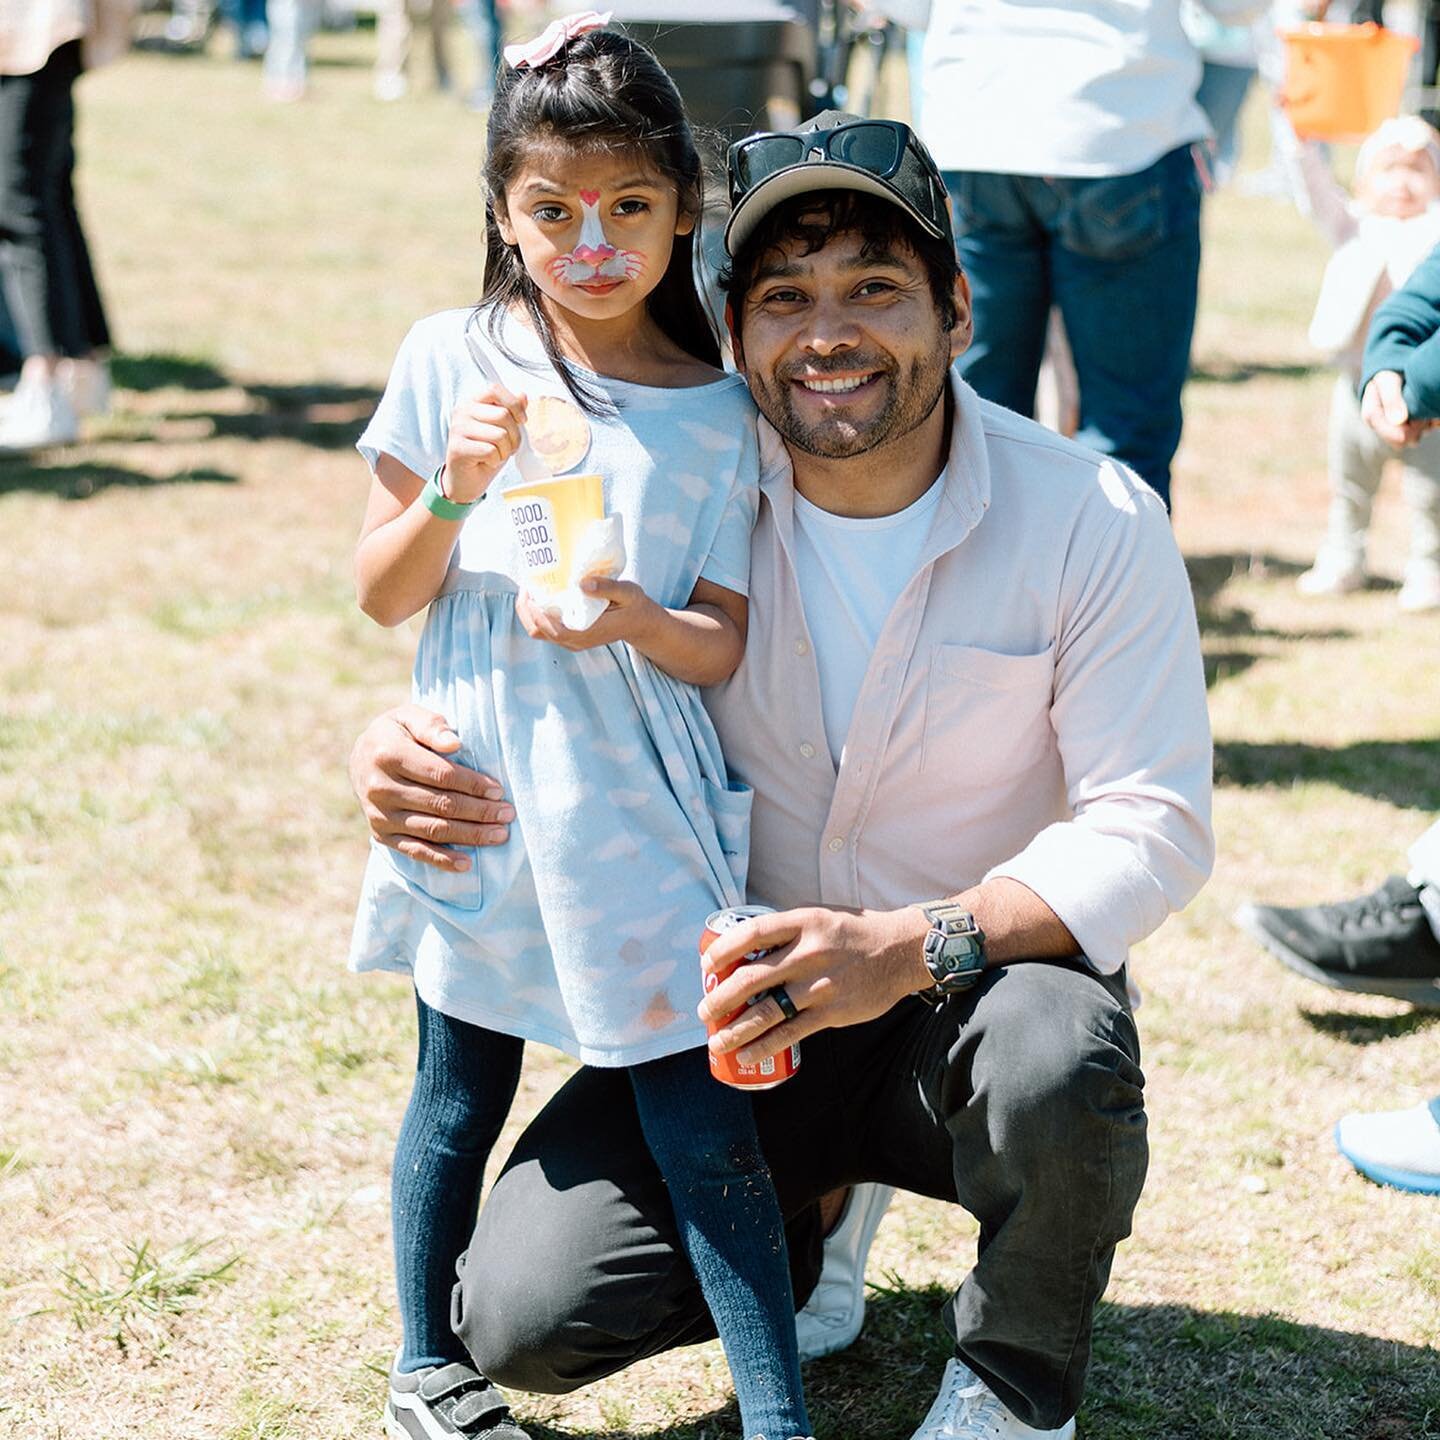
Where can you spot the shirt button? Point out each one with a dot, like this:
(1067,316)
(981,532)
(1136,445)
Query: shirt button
(836,843)
(806,749)
(801,648)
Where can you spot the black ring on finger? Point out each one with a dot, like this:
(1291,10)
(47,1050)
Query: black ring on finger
(788,1008)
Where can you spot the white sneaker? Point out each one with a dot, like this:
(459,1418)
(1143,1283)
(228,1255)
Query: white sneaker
(37,417)
(834,1313)
(1332,575)
(86,384)
(1421,590)
(1395,1147)
(390,85)
(968,1409)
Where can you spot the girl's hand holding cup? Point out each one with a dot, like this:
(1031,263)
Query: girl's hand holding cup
(630,616)
(484,434)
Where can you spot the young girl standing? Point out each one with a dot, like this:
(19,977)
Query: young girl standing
(579,931)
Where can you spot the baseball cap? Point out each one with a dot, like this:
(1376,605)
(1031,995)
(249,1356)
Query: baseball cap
(833,151)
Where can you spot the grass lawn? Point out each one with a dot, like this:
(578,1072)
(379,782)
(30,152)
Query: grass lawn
(197,1104)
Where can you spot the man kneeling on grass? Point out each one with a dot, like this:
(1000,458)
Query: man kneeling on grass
(973,713)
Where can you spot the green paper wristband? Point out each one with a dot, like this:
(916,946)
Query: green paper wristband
(438,504)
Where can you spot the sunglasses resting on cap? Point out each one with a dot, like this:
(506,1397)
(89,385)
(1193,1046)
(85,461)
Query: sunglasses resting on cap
(834,151)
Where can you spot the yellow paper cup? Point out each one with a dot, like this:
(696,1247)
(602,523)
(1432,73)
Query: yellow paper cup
(549,517)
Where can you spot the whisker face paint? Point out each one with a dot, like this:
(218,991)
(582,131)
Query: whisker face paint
(594,259)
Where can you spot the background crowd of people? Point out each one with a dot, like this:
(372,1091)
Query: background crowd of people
(1076,206)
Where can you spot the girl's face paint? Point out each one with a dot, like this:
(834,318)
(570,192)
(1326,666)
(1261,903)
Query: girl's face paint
(594,258)
(596,242)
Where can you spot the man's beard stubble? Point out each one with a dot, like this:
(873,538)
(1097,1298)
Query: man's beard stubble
(905,407)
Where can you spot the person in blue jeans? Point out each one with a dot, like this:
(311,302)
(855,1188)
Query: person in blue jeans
(1066,135)
(251,27)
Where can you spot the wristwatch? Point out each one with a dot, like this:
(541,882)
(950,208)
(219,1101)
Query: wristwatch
(954,950)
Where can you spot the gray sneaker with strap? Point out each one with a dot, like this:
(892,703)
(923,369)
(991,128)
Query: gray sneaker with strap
(447,1402)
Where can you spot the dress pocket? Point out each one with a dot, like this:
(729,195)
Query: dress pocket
(987,714)
(729,808)
(458,888)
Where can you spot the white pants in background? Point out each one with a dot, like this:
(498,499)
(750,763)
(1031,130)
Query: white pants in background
(291,23)
(394,31)
(1357,458)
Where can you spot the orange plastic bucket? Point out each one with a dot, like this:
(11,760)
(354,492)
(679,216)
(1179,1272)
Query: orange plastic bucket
(1341,81)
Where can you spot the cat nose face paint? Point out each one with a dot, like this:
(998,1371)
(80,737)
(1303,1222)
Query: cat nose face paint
(595,261)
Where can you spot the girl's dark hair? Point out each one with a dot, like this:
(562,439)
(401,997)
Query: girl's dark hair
(607,92)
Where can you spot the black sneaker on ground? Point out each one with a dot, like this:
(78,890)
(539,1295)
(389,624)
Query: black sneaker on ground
(447,1402)
(1380,944)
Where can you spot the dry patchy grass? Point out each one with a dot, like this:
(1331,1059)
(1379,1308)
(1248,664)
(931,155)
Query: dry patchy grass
(197,1105)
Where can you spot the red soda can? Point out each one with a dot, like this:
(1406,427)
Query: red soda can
(773,1070)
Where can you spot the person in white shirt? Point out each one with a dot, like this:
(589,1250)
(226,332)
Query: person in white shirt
(1065,134)
(972,709)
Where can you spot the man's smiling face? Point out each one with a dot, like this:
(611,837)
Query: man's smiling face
(846,348)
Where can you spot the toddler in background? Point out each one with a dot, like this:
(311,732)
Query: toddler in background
(1381,233)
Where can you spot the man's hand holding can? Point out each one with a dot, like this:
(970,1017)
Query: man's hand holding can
(837,966)
(747,1072)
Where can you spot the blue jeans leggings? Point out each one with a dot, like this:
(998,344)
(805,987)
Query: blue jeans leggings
(1120,256)
(702,1136)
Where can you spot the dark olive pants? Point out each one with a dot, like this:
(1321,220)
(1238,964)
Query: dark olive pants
(1022,1102)
(44,261)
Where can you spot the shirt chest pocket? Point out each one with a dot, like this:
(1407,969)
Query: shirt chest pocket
(987,715)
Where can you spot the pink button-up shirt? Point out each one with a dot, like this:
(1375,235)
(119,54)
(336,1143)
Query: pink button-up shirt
(1034,707)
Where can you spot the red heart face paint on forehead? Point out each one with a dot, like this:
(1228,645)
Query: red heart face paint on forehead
(589,197)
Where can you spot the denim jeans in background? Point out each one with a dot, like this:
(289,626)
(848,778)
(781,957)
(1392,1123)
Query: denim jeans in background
(482,19)
(1120,256)
(248,18)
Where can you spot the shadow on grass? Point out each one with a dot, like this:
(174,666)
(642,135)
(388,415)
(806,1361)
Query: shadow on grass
(1369,1029)
(327,416)
(1171,1372)
(1223,373)
(80,482)
(330,417)
(164,372)
(1159,1372)
(1219,619)
(1403,773)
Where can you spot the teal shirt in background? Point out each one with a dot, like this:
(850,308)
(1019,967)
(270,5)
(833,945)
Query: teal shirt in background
(1405,337)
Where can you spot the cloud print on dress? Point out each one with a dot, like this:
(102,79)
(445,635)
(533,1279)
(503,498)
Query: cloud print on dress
(666,527)
(623,799)
(693,487)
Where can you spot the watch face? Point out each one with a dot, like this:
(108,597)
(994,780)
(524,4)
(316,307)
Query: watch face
(954,956)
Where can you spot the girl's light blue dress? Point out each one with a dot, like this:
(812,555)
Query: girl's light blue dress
(581,931)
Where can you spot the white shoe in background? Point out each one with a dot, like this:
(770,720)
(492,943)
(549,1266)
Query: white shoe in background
(1421,590)
(86,384)
(835,1311)
(39,415)
(968,1409)
(1395,1147)
(1332,575)
(389,85)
